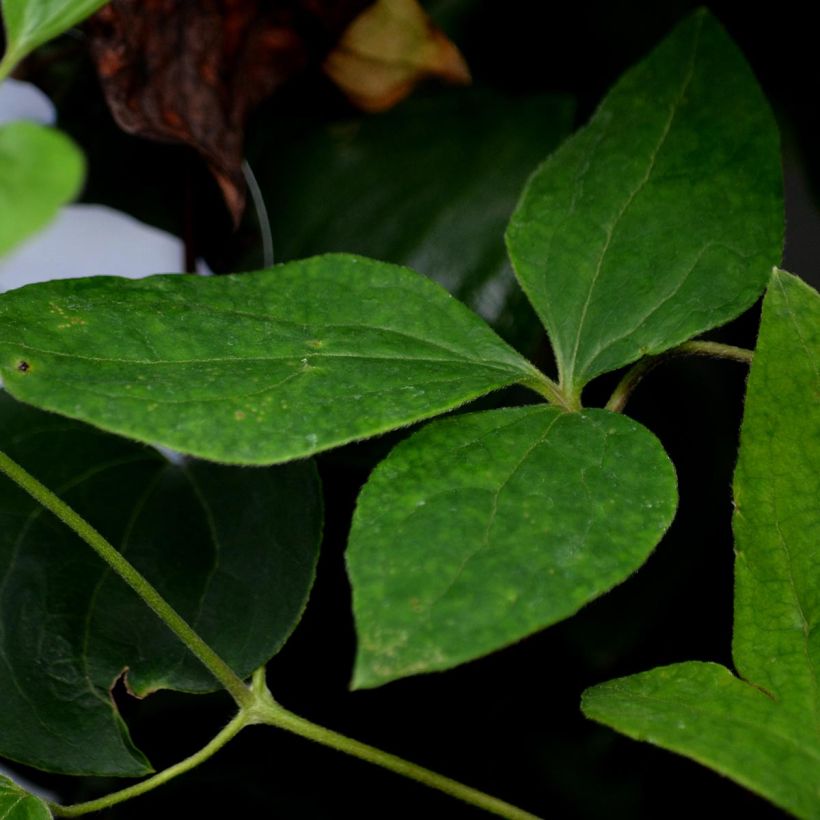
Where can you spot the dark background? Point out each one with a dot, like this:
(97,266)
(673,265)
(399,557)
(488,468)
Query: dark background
(510,723)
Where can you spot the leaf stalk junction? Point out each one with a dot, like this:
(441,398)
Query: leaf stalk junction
(255,702)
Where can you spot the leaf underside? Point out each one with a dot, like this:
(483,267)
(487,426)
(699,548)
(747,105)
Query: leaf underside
(660,219)
(484,528)
(252,368)
(234,551)
(764,733)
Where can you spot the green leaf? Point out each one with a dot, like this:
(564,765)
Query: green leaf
(429,184)
(763,728)
(253,368)
(30,23)
(232,550)
(40,170)
(484,528)
(17,804)
(661,218)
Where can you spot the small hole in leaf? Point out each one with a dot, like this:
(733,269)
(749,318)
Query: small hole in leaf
(24,367)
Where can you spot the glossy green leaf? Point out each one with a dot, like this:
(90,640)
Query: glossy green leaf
(233,551)
(661,218)
(18,804)
(30,23)
(252,368)
(40,170)
(763,728)
(484,528)
(430,184)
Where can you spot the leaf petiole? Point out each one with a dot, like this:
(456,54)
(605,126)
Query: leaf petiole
(716,350)
(228,733)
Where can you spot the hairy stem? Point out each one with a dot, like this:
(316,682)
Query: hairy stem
(549,390)
(149,594)
(716,350)
(228,733)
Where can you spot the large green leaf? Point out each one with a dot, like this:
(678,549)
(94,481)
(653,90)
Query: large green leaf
(484,528)
(30,23)
(429,184)
(660,219)
(762,729)
(40,170)
(17,804)
(233,550)
(253,368)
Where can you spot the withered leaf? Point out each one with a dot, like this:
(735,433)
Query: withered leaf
(387,50)
(190,70)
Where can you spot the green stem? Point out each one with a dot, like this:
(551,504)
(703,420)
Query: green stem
(275,715)
(620,396)
(172,619)
(547,388)
(228,733)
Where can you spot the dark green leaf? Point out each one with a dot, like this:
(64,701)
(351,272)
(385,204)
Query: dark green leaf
(17,804)
(233,550)
(484,528)
(253,368)
(40,170)
(430,184)
(764,733)
(663,217)
(30,23)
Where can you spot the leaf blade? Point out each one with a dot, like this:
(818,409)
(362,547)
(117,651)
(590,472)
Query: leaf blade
(234,554)
(18,804)
(775,701)
(679,708)
(252,369)
(30,23)
(662,217)
(484,528)
(776,512)
(40,170)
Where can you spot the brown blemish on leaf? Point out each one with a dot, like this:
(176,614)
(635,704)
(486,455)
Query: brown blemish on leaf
(23,367)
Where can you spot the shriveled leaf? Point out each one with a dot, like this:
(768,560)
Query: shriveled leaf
(661,218)
(762,729)
(252,368)
(18,804)
(484,528)
(389,49)
(232,550)
(430,185)
(40,170)
(30,23)
(191,72)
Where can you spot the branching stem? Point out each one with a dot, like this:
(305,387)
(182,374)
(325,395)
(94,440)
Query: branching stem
(275,715)
(620,396)
(172,619)
(256,704)
(549,390)
(228,733)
